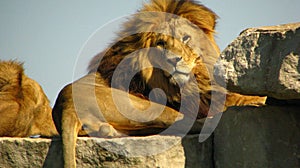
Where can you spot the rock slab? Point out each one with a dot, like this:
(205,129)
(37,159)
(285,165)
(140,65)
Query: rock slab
(263,61)
(258,137)
(245,137)
(148,152)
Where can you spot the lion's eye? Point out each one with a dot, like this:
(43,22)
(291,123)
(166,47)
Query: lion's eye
(186,38)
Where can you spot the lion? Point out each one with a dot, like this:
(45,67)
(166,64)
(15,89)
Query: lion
(167,46)
(24,108)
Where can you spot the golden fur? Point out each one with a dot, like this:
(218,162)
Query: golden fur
(182,43)
(24,108)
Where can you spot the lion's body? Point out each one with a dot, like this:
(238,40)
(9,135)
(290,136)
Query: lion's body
(24,108)
(166,45)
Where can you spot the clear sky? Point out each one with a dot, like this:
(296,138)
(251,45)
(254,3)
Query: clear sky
(49,35)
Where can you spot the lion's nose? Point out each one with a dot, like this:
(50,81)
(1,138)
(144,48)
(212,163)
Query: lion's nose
(174,60)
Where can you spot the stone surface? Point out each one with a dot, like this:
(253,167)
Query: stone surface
(263,61)
(258,137)
(152,151)
(198,155)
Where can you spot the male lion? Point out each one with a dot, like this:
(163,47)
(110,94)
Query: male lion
(24,108)
(169,45)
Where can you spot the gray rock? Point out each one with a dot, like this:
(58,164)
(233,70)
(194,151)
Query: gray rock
(263,61)
(258,137)
(245,137)
(198,155)
(151,151)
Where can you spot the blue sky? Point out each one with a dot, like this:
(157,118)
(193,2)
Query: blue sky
(50,35)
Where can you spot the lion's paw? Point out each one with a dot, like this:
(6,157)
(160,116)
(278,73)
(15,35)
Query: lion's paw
(107,130)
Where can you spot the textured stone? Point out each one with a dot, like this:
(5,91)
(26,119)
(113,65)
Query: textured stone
(152,151)
(263,61)
(198,155)
(245,137)
(258,137)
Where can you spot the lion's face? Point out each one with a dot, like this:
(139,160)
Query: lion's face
(175,48)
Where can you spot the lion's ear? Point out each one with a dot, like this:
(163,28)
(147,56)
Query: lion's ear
(200,15)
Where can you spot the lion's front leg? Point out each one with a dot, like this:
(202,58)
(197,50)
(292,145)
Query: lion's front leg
(235,99)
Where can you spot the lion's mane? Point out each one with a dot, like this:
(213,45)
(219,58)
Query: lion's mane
(129,41)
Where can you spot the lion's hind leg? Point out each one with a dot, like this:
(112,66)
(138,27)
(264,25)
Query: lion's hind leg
(70,129)
(67,124)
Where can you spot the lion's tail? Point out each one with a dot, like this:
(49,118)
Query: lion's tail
(11,73)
